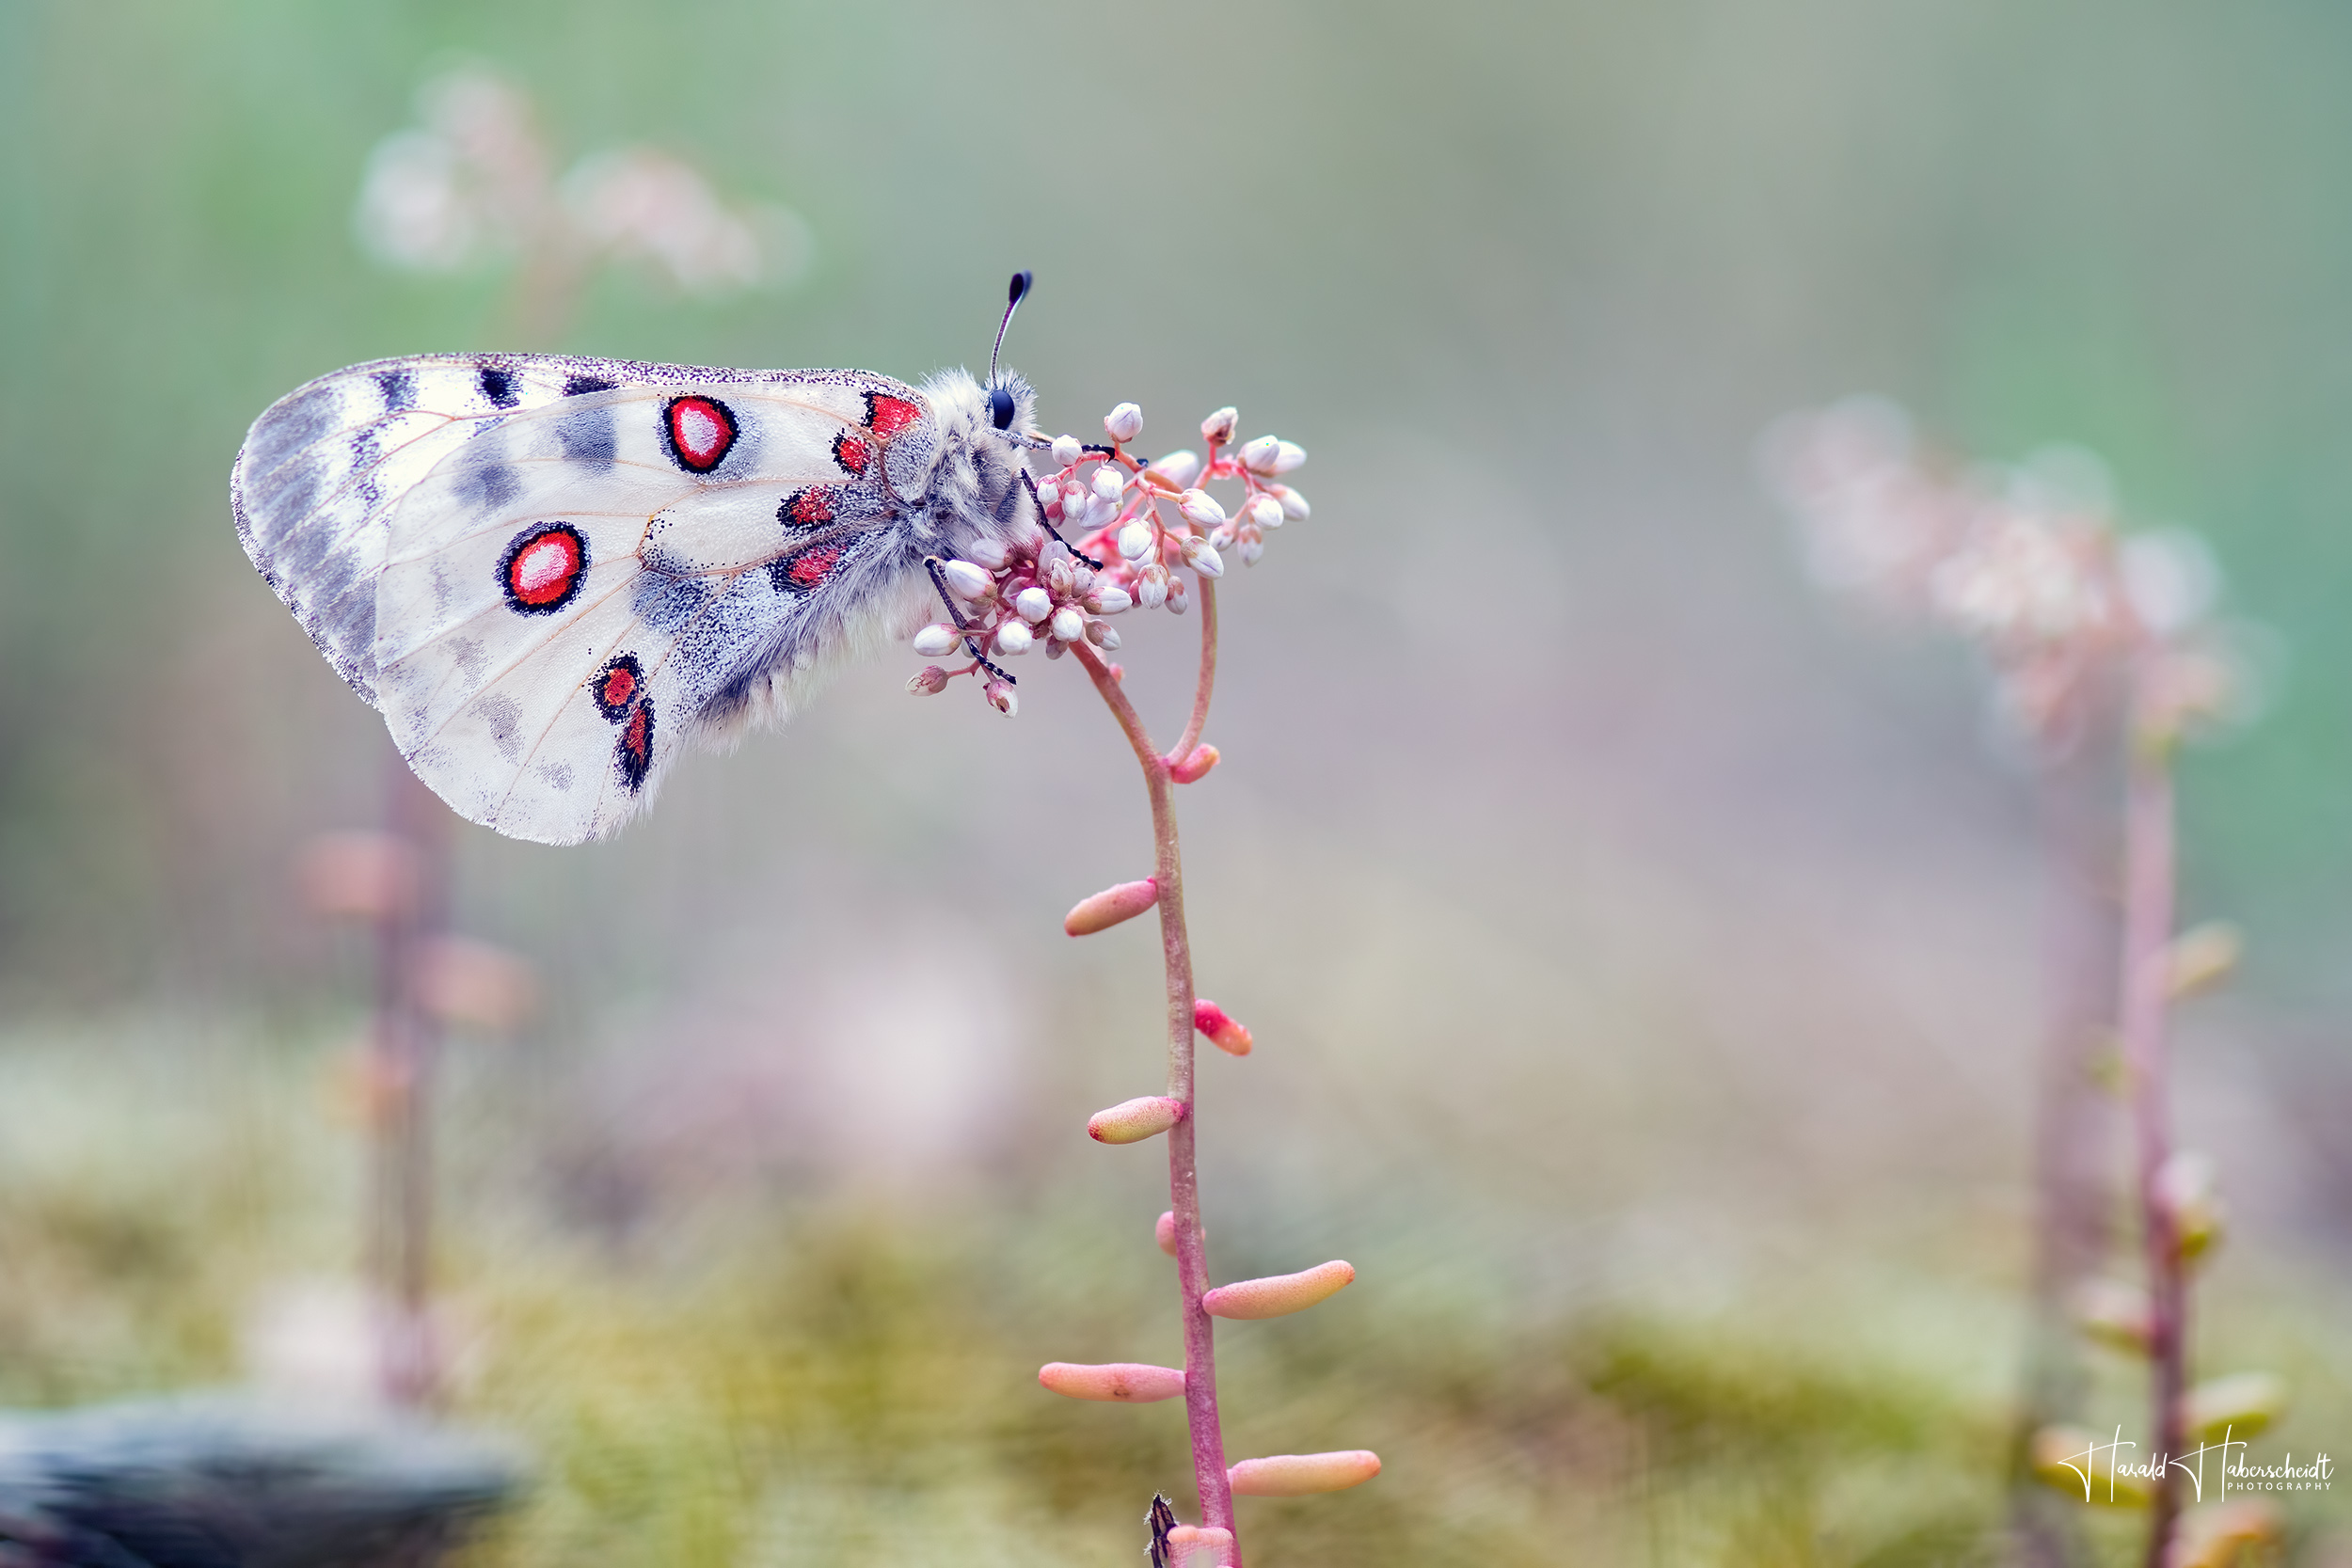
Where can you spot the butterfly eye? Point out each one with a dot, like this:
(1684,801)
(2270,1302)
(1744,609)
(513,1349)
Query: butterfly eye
(1000,407)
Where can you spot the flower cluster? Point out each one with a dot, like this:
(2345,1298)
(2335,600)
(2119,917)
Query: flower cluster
(475,180)
(2026,562)
(1118,533)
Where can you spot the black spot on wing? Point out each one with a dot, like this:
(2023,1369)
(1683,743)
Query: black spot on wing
(398,389)
(575,386)
(587,436)
(497,387)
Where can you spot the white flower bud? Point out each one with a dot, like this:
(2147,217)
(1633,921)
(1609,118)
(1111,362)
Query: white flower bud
(1073,498)
(1097,630)
(1204,560)
(1070,624)
(1099,511)
(1134,540)
(937,638)
(1288,455)
(1218,428)
(1124,423)
(1201,507)
(1058,577)
(1013,638)
(1055,650)
(1002,698)
(1108,641)
(1295,505)
(990,554)
(1109,480)
(1266,512)
(1178,467)
(967,580)
(1178,601)
(1151,586)
(1258,456)
(1067,451)
(1049,500)
(1034,604)
(1109,600)
(929,681)
(1251,549)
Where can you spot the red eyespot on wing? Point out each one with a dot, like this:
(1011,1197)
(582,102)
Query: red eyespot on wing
(886,416)
(543,568)
(633,752)
(616,686)
(806,508)
(811,567)
(851,453)
(700,430)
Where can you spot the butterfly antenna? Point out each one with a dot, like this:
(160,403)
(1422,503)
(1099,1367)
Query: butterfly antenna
(1065,544)
(1013,297)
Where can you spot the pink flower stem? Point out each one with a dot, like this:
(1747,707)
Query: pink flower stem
(407,1045)
(1208,676)
(2148,900)
(1184,1185)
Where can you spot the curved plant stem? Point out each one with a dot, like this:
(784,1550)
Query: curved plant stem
(1184,1186)
(1208,676)
(2148,898)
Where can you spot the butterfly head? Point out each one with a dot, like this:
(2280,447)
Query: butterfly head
(1011,402)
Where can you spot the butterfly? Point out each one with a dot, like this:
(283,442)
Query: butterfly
(552,575)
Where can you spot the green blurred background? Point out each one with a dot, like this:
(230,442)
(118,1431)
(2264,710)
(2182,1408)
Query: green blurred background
(1643,958)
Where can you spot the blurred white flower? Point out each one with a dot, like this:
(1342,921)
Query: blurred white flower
(474,182)
(2027,562)
(466,184)
(1874,524)
(2020,577)
(2170,579)
(644,206)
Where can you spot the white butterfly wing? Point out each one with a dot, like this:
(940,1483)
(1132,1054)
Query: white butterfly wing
(560,589)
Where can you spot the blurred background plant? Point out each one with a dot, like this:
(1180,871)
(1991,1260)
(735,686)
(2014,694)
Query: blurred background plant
(2105,654)
(1646,971)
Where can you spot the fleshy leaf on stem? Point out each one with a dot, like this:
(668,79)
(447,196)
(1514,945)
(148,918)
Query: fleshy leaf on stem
(1278,1295)
(2185,1189)
(1301,1475)
(2082,1465)
(2203,956)
(2117,1314)
(2237,1406)
(1196,766)
(358,876)
(2223,1534)
(1120,1381)
(1200,1546)
(1113,906)
(1131,1121)
(1226,1032)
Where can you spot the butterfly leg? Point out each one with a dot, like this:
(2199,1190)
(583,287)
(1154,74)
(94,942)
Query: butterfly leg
(930,564)
(1050,528)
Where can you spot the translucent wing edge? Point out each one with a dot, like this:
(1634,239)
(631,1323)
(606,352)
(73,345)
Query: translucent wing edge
(327,582)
